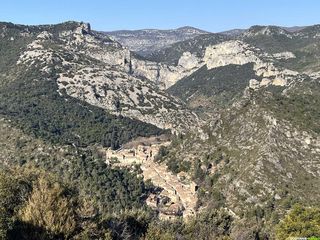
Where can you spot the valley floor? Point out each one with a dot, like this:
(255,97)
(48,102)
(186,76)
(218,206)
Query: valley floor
(178,188)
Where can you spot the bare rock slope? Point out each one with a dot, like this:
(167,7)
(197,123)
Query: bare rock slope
(99,71)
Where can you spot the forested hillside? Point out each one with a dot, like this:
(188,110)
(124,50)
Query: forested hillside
(241,116)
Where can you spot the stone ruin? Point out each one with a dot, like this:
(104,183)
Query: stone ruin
(178,196)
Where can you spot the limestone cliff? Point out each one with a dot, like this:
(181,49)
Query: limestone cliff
(103,73)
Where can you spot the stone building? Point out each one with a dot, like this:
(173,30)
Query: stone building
(136,154)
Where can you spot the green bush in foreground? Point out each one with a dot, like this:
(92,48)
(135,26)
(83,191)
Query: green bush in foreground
(300,222)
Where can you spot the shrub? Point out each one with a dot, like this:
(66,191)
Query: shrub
(299,222)
(49,207)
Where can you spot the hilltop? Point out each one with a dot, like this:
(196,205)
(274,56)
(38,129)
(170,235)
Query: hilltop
(148,40)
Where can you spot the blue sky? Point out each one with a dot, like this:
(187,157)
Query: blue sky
(210,15)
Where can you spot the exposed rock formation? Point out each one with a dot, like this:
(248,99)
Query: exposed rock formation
(165,75)
(240,53)
(284,55)
(124,84)
(103,74)
(254,84)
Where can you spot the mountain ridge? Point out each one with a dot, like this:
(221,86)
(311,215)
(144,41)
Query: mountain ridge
(152,39)
(242,112)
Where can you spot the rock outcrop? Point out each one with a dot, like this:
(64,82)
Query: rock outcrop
(240,53)
(103,73)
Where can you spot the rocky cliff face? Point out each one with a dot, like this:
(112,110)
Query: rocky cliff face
(253,147)
(240,53)
(260,153)
(163,74)
(259,148)
(103,73)
(214,56)
(226,69)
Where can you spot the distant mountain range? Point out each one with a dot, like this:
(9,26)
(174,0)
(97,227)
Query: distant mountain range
(148,40)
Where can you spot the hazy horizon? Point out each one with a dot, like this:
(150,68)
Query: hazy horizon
(162,29)
(211,16)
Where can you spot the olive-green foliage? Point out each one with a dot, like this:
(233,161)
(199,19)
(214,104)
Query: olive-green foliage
(50,207)
(196,46)
(32,101)
(128,224)
(38,205)
(163,151)
(300,106)
(178,166)
(155,232)
(305,46)
(211,224)
(8,200)
(14,191)
(219,86)
(43,208)
(299,222)
(112,189)
(29,97)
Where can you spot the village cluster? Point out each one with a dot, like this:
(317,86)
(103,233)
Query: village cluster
(175,195)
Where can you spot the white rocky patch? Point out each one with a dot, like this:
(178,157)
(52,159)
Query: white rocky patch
(36,51)
(283,55)
(240,53)
(165,74)
(99,74)
(268,31)
(104,87)
(313,75)
(230,52)
(188,60)
(254,84)
(279,82)
(265,82)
